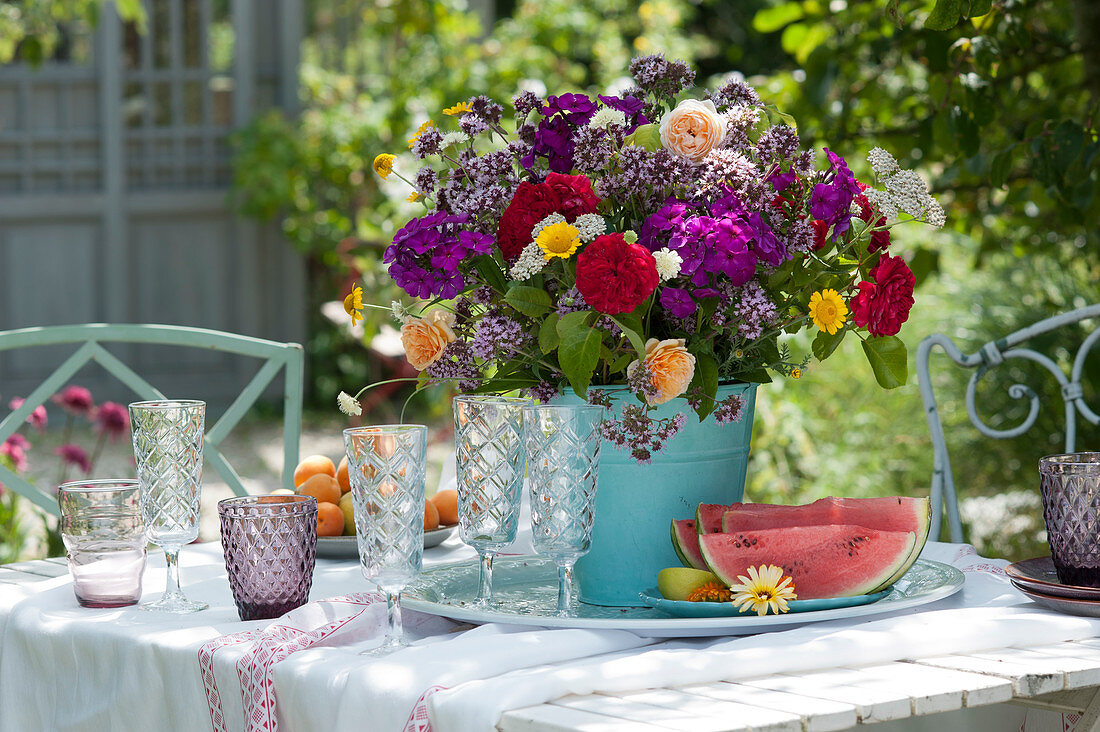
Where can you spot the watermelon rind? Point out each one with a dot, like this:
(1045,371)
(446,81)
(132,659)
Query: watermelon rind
(924,525)
(685,542)
(834,560)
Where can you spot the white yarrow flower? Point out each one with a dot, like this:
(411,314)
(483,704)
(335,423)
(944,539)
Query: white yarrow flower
(530,262)
(398,311)
(668,263)
(606,116)
(453,138)
(882,162)
(554,218)
(590,226)
(348,404)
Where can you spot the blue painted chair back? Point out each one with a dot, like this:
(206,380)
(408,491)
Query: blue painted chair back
(90,339)
(987,358)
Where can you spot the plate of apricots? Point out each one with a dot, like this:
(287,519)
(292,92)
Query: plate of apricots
(320,477)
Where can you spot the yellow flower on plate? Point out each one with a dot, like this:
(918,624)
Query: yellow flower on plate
(353,304)
(711,591)
(383,165)
(558,240)
(457,109)
(764,589)
(419,131)
(828,311)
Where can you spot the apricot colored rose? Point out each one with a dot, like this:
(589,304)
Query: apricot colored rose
(693,129)
(671,365)
(425,338)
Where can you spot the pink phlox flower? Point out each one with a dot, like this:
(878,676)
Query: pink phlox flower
(15,447)
(112,419)
(36,419)
(74,454)
(75,400)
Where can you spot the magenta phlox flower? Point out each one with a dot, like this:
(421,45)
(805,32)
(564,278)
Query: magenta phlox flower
(677,302)
(765,243)
(781,181)
(632,107)
(425,255)
(75,400)
(73,454)
(37,418)
(576,109)
(831,200)
(112,419)
(15,448)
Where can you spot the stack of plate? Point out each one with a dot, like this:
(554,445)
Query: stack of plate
(1038,579)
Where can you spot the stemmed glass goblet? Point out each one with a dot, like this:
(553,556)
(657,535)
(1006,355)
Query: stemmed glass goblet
(562,443)
(168,437)
(489,462)
(386,466)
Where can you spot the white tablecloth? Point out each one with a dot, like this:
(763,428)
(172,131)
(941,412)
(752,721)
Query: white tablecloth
(63,667)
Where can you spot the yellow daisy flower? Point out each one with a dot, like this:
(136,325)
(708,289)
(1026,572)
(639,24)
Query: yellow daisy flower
(419,131)
(460,108)
(414,197)
(764,589)
(828,311)
(353,304)
(383,165)
(558,240)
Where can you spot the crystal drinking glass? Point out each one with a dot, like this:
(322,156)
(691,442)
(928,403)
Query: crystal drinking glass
(386,466)
(168,437)
(489,461)
(270,545)
(1070,488)
(562,443)
(104,540)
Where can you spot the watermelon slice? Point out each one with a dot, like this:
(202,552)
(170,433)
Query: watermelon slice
(685,540)
(708,516)
(894,513)
(836,560)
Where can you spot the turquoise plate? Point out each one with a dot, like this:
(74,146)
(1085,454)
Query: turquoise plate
(683,609)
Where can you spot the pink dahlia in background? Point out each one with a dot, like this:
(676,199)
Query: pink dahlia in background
(73,454)
(36,419)
(15,448)
(615,277)
(75,400)
(883,305)
(112,419)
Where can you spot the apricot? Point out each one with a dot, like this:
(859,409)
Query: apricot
(330,519)
(322,487)
(313,465)
(342,475)
(431,516)
(446,502)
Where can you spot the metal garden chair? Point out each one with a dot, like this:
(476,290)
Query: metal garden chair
(985,359)
(89,339)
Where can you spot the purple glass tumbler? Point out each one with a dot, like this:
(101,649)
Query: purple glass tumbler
(270,545)
(1070,486)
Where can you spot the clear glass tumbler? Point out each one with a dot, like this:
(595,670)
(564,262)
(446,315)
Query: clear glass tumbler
(386,466)
(270,545)
(489,461)
(104,540)
(168,436)
(562,443)
(1070,487)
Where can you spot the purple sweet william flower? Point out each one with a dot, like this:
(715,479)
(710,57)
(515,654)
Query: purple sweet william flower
(677,302)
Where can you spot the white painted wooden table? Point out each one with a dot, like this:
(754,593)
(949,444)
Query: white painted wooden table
(1064,677)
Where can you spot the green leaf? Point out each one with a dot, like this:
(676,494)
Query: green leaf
(924,263)
(888,360)
(579,350)
(490,273)
(979,8)
(1001,167)
(632,327)
(705,380)
(893,13)
(646,136)
(769,20)
(548,334)
(945,15)
(824,344)
(756,376)
(530,301)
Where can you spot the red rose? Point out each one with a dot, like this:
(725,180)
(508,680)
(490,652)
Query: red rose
(883,305)
(615,277)
(575,192)
(821,230)
(880,240)
(531,203)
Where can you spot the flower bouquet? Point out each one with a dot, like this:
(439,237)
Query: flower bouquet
(643,241)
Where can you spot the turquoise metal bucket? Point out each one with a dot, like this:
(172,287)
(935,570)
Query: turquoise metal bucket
(635,503)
